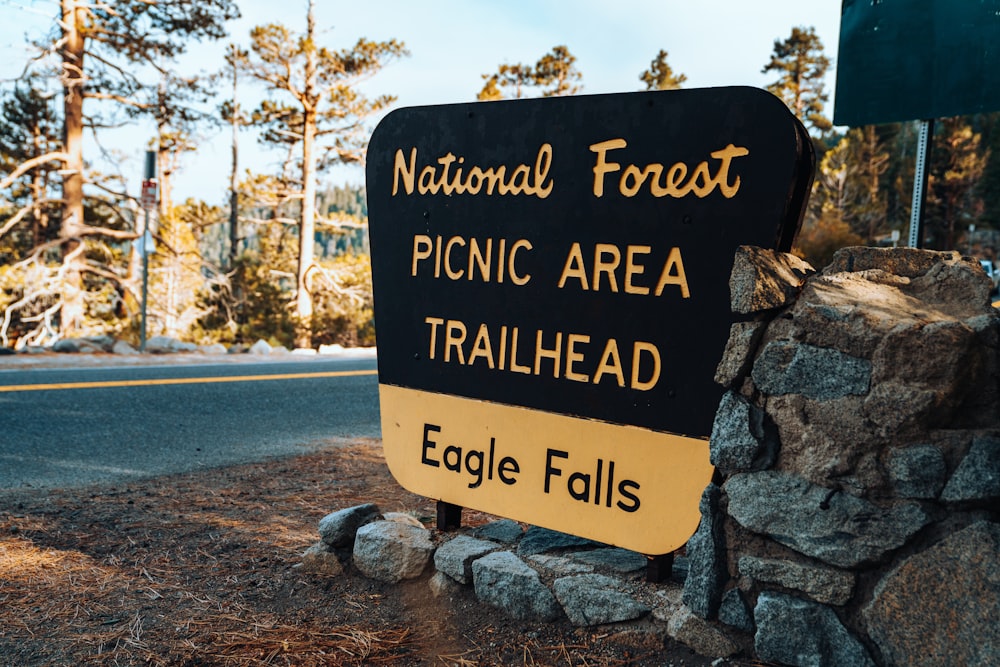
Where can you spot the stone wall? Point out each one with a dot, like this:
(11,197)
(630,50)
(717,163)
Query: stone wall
(854,516)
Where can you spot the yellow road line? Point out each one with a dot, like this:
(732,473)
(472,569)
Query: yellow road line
(165,381)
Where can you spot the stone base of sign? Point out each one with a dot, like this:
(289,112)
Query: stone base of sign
(534,575)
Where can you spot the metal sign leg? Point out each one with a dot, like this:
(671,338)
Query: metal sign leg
(920,184)
(449,517)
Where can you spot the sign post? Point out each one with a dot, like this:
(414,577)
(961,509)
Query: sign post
(551,296)
(148,200)
(916,239)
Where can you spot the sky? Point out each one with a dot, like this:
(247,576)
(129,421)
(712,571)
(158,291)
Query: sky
(454,42)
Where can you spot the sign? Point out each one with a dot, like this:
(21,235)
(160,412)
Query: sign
(551,296)
(148,197)
(917,59)
(145,244)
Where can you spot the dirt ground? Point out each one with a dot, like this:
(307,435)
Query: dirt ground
(203,569)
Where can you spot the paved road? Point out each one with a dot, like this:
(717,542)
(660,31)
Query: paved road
(115,424)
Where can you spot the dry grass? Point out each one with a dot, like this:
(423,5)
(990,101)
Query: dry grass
(203,569)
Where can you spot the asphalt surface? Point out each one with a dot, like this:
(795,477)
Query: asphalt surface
(74,420)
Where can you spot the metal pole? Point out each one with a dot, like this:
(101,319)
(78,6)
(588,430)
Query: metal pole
(920,184)
(150,175)
(145,278)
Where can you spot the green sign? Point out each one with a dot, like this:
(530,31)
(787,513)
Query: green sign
(905,60)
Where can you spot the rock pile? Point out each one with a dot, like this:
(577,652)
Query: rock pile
(534,575)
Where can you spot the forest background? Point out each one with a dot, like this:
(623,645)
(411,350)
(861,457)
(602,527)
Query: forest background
(285,258)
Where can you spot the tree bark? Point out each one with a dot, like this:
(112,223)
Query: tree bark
(72,52)
(307,225)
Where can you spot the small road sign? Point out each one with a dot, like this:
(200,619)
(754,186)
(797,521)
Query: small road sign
(148,197)
(145,244)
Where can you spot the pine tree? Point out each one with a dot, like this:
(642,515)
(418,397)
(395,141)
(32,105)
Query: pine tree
(849,179)
(554,75)
(957,163)
(176,270)
(29,131)
(491,89)
(660,76)
(101,53)
(988,188)
(232,113)
(325,105)
(515,77)
(801,66)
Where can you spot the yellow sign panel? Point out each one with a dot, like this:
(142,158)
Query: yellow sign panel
(621,485)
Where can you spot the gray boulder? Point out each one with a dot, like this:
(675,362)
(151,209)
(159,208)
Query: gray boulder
(541,540)
(612,559)
(700,635)
(737,443)
(594,599)
(939,275)
(706,551)
(403,517)
(978,475)
(122,347)
(791,631)
(168,345)
(338,529)
(835,527)
(455,557)
(738,354)
(559,566)
(390,551)
(504,581)
(85,345)
(317,559)
(442,585)
(505,531)
(917,471)
(822,584)
(66,346)
(785,367)
(260,347)
(101,343)
(735,612)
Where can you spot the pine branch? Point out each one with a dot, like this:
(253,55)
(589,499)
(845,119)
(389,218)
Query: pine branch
(28,165)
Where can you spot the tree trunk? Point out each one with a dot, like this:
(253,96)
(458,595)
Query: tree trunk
(234,219)
(72,309)
(164,169)
(307,225)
